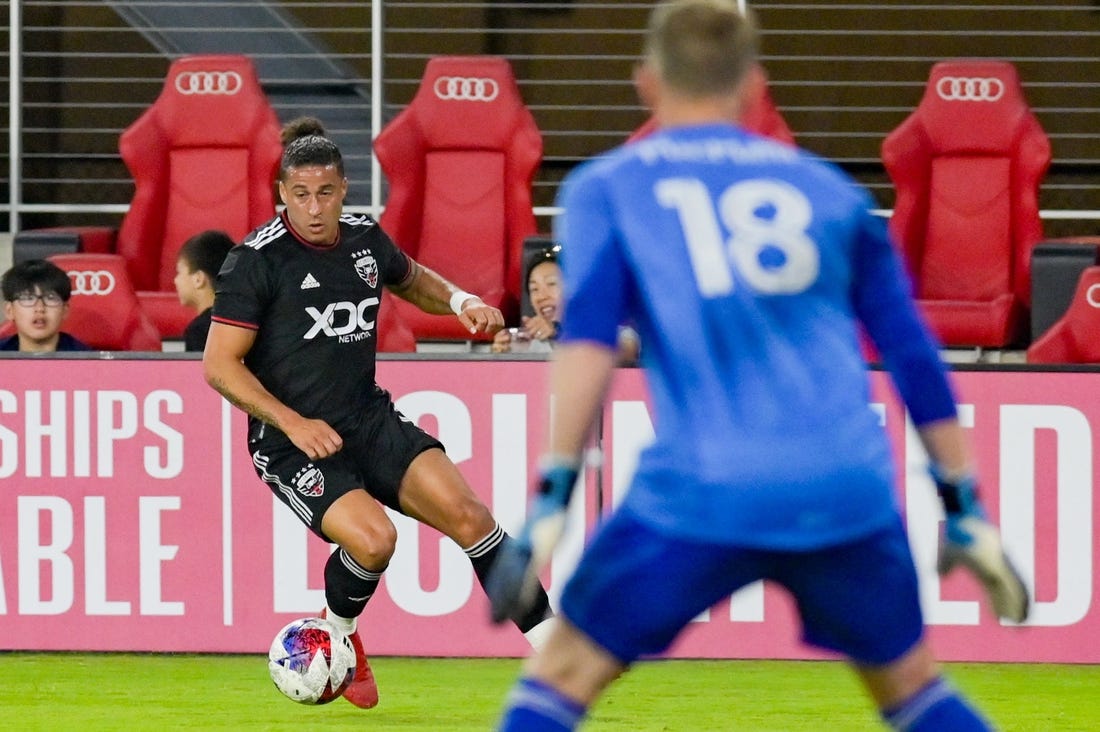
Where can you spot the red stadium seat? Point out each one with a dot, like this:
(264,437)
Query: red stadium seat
(1073,338)
(394,336)
(203,156)
(460,161)
(967,165)
(104,310)
(763,118)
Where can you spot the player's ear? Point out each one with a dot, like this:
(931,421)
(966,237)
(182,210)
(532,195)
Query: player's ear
(752,88)
(282,193)
(646,84)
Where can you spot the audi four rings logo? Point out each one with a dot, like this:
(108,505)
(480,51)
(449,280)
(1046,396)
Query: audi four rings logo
(98,282)
(466,89)
(209,82)
(1092,295)
(966,89)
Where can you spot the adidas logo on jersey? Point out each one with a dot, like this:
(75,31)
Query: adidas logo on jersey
(310,282)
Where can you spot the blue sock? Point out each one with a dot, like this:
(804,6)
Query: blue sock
(935,708)
(534,706)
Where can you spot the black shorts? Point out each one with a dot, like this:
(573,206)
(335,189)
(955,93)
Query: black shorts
(375,456)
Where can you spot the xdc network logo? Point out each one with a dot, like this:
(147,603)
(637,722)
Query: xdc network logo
(344,320)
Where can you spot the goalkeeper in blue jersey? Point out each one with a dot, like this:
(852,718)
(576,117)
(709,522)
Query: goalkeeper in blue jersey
(749,268)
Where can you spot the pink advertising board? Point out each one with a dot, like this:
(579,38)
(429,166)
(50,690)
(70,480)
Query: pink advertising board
(131,517)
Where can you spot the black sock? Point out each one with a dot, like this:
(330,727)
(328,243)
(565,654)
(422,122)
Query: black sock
(348,585)
(484,553)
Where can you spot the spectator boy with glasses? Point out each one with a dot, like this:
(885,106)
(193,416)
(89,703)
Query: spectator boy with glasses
(36,299)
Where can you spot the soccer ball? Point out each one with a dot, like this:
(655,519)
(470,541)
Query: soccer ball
(311,661)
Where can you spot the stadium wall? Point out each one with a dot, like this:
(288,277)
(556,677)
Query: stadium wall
(842,74)
(132,520)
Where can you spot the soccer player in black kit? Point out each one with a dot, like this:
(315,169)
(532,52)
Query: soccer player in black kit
(293,344)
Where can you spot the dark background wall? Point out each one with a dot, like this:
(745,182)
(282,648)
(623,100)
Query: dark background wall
(842,74)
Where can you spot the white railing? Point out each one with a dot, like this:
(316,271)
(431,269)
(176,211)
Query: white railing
(843,74)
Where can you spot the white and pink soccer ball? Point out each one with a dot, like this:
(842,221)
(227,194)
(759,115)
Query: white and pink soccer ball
(311,661)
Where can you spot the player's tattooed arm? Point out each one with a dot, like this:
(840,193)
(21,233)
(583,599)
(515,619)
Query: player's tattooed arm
(225,371)
(426,289)
(250,408)
(315,437)
(433,293)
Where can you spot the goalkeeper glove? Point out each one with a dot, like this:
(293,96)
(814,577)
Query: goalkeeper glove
(971,540)
(513,581)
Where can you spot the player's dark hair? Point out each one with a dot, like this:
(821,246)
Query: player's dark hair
(305,145)
(32,274)
(205,252)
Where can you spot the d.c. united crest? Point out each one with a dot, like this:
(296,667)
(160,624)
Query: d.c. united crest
(366,267)
(310,481)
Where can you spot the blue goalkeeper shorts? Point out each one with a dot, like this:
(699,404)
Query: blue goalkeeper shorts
(635,589)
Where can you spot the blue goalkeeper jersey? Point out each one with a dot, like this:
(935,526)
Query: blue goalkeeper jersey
(748,268)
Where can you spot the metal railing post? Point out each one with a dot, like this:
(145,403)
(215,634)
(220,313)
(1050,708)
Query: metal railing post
(15,114)
(375,104)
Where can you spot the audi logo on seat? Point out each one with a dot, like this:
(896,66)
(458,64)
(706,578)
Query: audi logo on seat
(1092,295)
(209,82)
(92,282)
(466,89)
(967,89)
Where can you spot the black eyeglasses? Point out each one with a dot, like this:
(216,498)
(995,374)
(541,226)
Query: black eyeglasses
(49,299)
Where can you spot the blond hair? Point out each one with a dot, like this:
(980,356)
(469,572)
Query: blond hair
(701,47)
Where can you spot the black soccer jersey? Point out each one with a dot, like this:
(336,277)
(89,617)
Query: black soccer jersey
(314,310)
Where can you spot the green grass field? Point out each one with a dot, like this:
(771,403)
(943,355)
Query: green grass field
(90,692)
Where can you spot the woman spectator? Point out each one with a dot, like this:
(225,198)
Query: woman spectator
(538,332)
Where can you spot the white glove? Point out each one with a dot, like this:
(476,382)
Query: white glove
(513,582)
(971,540)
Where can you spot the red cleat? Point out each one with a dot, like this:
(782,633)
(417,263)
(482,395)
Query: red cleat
(362,691)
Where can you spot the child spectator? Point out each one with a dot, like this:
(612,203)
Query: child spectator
(197,267)
(36,300)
